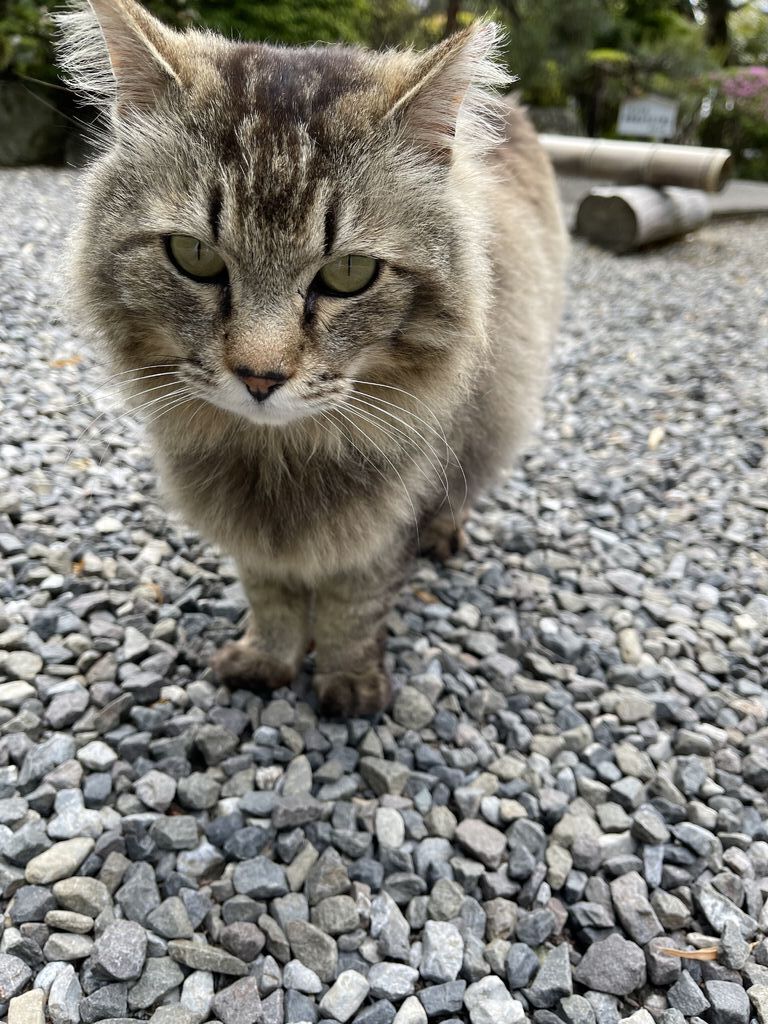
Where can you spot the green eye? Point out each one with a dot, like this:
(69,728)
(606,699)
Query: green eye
(196,259)
(348,275)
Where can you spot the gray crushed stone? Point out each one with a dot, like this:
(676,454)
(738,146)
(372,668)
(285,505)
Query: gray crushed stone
(573,775)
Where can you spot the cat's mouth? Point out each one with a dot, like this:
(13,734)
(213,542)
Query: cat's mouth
(273,399)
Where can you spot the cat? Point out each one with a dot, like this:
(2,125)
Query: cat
(340,273)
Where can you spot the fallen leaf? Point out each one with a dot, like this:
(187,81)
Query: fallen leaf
(655,438)
(708,953)
(66,361)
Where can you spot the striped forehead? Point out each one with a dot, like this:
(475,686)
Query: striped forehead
(279,138)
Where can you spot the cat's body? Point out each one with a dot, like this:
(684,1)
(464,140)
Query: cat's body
(398,402)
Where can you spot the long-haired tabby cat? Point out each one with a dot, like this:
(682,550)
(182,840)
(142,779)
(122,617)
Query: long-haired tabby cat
(340,271)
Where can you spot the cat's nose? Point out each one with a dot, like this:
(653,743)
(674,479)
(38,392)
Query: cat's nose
(262,383)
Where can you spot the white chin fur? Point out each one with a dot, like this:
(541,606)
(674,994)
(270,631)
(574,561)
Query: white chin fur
(276,410)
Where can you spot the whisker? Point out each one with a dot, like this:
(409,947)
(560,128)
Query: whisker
(402,391)
(109,412)
(365,456)
(440,432)
(174,404)
(387,429)
(112,377)
(355,398)
(392,466)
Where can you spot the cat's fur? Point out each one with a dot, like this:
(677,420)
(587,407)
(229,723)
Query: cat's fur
(280,157)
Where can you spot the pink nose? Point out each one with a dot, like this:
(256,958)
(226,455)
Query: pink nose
(260,385)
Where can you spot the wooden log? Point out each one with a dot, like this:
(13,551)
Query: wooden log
(623,219)
(640,163)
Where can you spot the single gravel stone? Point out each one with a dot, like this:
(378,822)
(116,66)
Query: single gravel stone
(197,994)
(489,1002)
(87,896)
(205,958)
(260,878)
(553,981)
(345,997)
(23,665)
(156,790)
(412,709)
(314,948)
(411,1012)
(160,976)
(13,976)
(336,915)
(177,833)
(442,951)
(171,920)
(27,1008)
(121,950)
(686,996)
(758,995)
(442,1000)
(384,776)
(390,827)
(60,861)
(105,1002)
(31,903)
(301,978)
(239,1003)
(728,1002)
(392,981)
(614,965)
(482,841)
(64,997)
(97,756)
(243,939)
(630,900)
(521,965)
(734,949)
(69,921)
(390,928)
(62,946)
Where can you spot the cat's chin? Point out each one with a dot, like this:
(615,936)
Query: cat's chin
(266,414)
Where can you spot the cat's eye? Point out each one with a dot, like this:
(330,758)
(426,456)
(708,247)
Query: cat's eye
(196,259)
(347,275)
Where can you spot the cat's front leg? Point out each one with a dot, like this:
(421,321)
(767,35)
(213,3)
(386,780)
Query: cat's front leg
(277,638)
(350,631)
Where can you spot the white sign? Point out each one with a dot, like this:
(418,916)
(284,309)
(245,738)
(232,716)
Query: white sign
(650,117)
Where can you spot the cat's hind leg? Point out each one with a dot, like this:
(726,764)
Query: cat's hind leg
(442,536)
(276,640)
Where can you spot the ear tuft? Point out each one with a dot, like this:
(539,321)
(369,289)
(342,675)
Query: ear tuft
(114,54)
(452,100)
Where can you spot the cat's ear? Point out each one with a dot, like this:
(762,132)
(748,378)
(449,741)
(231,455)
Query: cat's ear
(115,54)
(450,95)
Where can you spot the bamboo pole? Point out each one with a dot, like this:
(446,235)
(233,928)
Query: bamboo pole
(623,219)
(640,163)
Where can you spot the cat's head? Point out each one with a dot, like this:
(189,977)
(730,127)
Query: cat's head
(272,225)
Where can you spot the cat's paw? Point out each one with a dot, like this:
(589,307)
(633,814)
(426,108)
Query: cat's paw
(352,694)
(245,664)
(442,539)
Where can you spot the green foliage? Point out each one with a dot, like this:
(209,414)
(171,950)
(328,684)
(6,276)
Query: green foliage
(25,41)
(738,118)
(589,52)
(288,21)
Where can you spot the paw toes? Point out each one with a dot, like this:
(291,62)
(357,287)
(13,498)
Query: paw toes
(243,663)
(349,694)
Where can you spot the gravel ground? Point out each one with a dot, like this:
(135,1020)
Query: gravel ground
(572,777)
